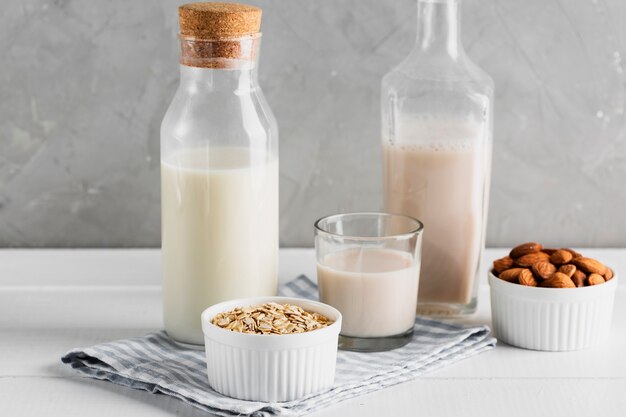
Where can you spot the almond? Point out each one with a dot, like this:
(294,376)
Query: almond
(501,264)
(531,258)
(558,280)
(595,279)
(561,257)
(527,278)
(579,278)
(543,269)
(589,265)
(511,275)
(568,270)
(608,274)
(524,249)
(549,251)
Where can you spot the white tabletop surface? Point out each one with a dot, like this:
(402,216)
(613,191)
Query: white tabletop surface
(54,300)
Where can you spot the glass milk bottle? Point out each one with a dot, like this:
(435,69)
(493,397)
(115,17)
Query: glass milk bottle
(436,140)
(219,170)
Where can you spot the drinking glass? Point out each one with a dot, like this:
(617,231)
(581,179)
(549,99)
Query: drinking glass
(368,267)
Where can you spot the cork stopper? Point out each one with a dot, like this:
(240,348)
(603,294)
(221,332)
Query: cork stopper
(219,35)
(218,20)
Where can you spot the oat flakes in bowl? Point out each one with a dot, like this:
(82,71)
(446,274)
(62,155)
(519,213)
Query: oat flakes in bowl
(271,318)
(256,362)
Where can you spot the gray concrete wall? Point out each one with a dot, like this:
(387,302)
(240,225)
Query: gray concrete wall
(84,85)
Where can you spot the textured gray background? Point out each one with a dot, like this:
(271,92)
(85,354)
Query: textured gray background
(84,85)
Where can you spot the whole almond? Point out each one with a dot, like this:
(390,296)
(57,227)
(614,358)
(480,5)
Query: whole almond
(590,266)
(502,264)
(568,269)
(524,249)
(595,279)
(529,259)
(543,269)
(558,280)
(579,278)
(561,257)
(608,274)
(511,275)
(527,278)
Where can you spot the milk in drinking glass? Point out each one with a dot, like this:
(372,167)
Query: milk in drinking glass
(368,267)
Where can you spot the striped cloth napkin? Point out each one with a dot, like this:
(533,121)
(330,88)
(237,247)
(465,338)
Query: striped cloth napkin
(157,364)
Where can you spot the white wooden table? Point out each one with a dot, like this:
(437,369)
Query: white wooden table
(54,300)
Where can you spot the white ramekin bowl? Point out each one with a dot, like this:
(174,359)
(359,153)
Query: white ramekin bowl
(270,368)
(551,319)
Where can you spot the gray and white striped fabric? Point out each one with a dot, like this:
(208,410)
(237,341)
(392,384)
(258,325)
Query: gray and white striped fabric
(157,364)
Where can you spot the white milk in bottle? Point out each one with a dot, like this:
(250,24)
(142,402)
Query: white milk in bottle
(219,230)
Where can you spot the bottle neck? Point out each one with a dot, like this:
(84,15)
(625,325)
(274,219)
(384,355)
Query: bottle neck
(438,28)
(241,80)
(228,65)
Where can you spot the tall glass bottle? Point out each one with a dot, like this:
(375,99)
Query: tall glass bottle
(219,170)
(437,140)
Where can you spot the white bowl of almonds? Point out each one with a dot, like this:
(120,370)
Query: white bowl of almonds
(551,299)
(270,349)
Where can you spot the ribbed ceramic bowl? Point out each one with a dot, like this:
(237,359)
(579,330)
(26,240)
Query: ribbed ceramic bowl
(551,319)
(270,368)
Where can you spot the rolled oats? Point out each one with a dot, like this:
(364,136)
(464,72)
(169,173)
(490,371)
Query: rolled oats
(271,318)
